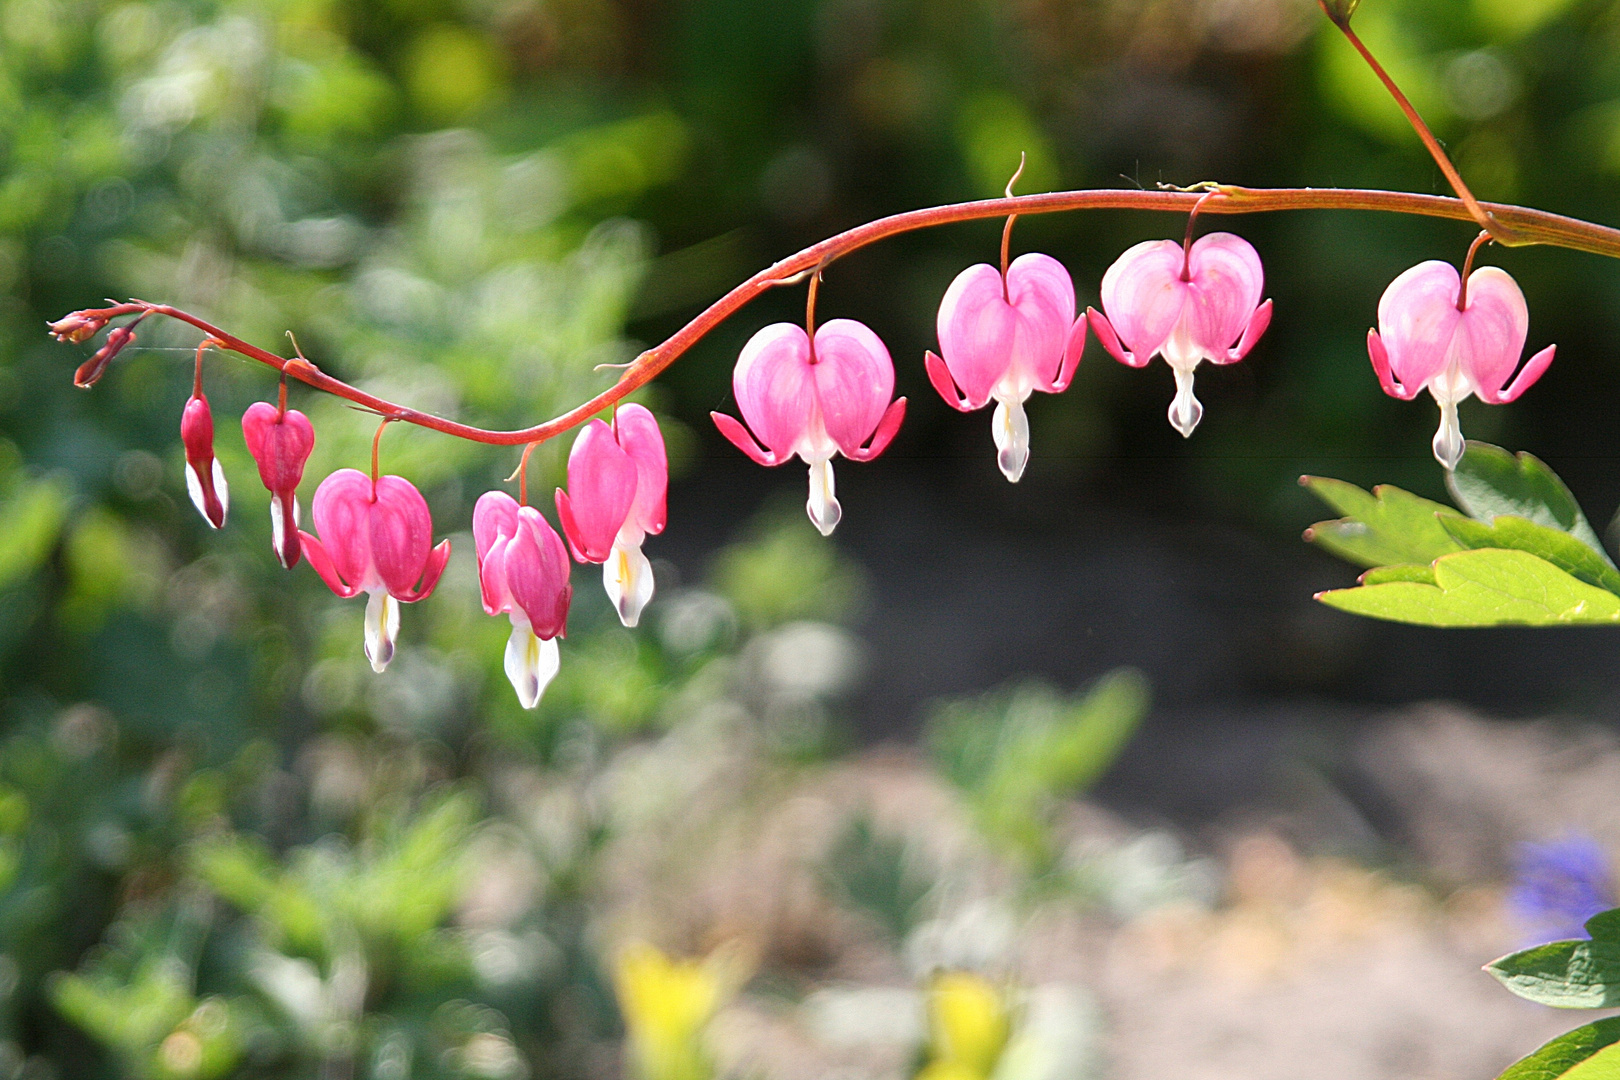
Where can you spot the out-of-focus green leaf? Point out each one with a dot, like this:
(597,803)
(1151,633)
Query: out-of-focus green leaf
(1488,587)
(1564,974)
(1588,1053)
(1605,925)
(786,572)
(1385,527)
(1490,482)
(1557,547)
(30,521)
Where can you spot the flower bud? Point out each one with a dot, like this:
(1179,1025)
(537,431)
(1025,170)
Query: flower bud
(205,480)
(77,327)
(280,442)
(93,368)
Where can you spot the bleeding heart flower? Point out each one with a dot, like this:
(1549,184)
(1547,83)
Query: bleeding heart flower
(205,480)
(618,477)
(814,401)
(1433,334)
(1005,340)
(523,572)
(1186,305)
(377,536)
(280,441)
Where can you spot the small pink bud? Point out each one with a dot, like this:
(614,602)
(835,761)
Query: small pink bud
(1003,340)
(832,400)
(205,480)
(523,573)
(1187,306)
(375,537)
(1424,342)
(78,326)
(92,369)
(280,442)
(618,478)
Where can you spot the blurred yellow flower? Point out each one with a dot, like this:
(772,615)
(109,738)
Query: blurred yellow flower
(968,1027)
(667,1004)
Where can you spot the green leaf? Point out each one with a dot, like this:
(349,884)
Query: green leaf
(1557,547)
(1605,925)
(1380,575)
(1490,481)
(1385,527)
(1488,587)
(1590,1051)
(30,521)
(1564,974)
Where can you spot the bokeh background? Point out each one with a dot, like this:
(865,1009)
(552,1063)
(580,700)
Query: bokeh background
(818,816)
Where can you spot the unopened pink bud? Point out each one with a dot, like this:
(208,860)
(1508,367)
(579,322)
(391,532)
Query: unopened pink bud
(280,442)
(205,480)
(523,573)
(92,369)
(77,327)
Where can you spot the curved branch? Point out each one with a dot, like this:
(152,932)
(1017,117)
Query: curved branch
(1529,226)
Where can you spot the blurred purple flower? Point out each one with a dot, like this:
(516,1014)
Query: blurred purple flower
(1560,884)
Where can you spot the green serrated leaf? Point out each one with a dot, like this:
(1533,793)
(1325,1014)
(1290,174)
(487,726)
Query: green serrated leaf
(1587,1053)
(1380,575)
(1560,548)
(1385,527)
(1487,587)
(1490,481)
(1605,925)
(1564,974)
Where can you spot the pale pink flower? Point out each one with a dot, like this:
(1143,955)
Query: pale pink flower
(1425,340)
(375,537)
(280,442)
(205,480)
(1186,305)
(618,477)
(1004,340)
(523,573)
(814,403)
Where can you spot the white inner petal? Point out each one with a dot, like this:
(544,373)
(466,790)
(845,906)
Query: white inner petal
(382,628)
(278,528)
(222,489)
(194,489)
(531,662)
(628,578)
(1009,427)
(1185,410)
(1448,441)
(823,505)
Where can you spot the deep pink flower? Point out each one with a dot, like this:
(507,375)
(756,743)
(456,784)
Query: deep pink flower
(1424,341)
(205,480)
(618,477)
(1005,340)
(814,403)
(523,572)
(375,537)
(1186,306)
(280,442)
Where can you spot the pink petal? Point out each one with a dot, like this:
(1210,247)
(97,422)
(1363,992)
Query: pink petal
(537,574)
(1386,378)
(341,511)
(1417,319)
(1251,334)
(637,432)
(1109,340)
(431,572)
(887,428)
(492,589)
(321,563)
(854,380)
(738,436)
(280,445)
(1490,335)
(976,330)
(774,386)
(1073,350)
(1528,375)
(1143,296)
(401,534)
(601,488)
(1227,281)
(565,514)
(940,376)
(1042,297)
(494,515)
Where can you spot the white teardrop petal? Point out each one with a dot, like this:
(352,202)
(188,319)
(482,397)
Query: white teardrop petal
(278,528)
(823,505)
(382,628)
(628,577)
(1009,427)
(1448,441)
(1185,410)
(531,663)
(195,490)
(223,490)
